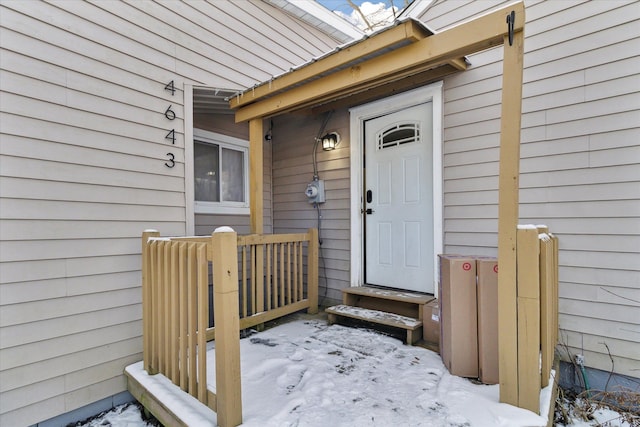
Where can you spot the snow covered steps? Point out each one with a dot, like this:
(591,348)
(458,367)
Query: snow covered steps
(411,325)
(397,309)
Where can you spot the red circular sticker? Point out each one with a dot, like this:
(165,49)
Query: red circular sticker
(495,268)
(466,266)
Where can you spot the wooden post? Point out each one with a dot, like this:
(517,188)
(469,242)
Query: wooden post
(556,296)
(312,271)
(547,322)
(508,212)
(256,203)
(256,197)
(227,321)
(147,301)
(528,260)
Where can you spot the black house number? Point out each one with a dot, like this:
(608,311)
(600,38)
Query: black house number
(170,115)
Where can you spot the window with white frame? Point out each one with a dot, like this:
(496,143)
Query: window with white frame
(220,177)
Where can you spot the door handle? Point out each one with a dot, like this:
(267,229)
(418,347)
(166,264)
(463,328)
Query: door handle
(369,211)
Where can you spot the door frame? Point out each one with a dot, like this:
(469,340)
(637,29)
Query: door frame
(357,117)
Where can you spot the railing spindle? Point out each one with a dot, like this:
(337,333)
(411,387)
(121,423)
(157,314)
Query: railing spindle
(192,316)
(253,279)
(160,306)
(275,275)
(283,291)
(289,272)
(183,331)
(268,283)
(259,298)
(245,289)
(301,271)
(295,271)
(174,321)
(312,271)
(147,299)
(203,320)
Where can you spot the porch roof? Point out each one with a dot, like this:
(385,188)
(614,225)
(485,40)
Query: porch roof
(383,63)
(373,66)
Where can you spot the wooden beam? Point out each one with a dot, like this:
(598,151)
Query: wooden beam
(459,64)
(256,177)
(154,404)
(474,36)
(508,183)
(388,89)
(434,71)
(407,31)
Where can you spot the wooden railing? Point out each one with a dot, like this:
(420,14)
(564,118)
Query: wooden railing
(537,312)
(272,276)
(191,284)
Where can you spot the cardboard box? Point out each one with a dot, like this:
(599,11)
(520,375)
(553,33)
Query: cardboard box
(431,322)
(487,270)
(458,315)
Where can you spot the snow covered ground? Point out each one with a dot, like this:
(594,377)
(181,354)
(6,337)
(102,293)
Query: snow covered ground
(306,373)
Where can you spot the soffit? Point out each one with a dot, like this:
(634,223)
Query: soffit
(212,101)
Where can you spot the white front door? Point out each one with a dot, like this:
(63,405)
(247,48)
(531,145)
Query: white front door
(398,199)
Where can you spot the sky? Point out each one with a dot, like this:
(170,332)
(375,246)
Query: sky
(343,5)
(378,12)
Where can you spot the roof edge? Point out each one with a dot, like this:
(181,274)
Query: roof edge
(308,10)
(416,9)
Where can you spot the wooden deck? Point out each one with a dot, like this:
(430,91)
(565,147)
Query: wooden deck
(174,407)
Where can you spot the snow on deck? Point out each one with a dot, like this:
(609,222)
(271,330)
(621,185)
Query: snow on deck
(388,293)
(310,374)
(375,315)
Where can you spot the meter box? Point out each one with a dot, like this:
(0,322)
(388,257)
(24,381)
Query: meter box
(315,191)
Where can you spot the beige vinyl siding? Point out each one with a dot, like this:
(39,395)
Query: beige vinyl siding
(293,138)
(82,172)
(580,153)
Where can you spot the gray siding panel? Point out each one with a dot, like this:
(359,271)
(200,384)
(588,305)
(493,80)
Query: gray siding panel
(82,172)
(580,153)
(292,170)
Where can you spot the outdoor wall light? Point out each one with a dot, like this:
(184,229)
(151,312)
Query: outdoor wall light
(330,141)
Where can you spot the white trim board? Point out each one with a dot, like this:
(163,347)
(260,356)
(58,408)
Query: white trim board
(189,189)
(358,115)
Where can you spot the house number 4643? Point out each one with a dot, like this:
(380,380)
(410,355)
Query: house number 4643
(171,135)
